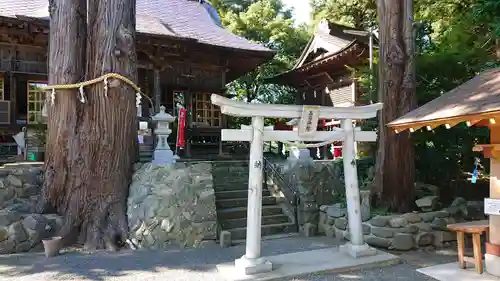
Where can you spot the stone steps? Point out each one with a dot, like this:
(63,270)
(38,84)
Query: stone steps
(241,212)
(266,220)
(231,194)
(242,202)
(231,186)
(266,230)
(145,153)
(228,194)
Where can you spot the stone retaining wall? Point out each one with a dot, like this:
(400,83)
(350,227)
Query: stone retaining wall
(167,205)
(318,183)
(172,205)
(22,230)
(403,231)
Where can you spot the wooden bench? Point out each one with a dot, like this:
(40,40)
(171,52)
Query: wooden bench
(476,228)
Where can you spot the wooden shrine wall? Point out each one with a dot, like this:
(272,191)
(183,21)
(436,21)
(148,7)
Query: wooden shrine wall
(23,59)
(327,89)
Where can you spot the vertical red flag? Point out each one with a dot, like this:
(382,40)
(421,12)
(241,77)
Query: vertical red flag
(182,125)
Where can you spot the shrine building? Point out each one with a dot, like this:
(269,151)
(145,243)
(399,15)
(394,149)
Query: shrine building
(324,74)
(184,55)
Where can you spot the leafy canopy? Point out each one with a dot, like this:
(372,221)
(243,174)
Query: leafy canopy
(270,23)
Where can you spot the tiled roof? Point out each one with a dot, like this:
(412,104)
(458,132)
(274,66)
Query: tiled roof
(152,25)
(476,99)
(334,39)
(178,18)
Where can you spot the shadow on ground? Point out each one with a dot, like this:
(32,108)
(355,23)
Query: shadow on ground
(142,264)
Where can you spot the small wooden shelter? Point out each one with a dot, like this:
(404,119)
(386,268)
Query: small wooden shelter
(477,103)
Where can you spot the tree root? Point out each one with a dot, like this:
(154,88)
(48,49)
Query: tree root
(105,227)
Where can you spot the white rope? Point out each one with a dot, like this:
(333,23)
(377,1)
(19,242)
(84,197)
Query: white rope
(310,145)
(53,96)
(106,86)
(81,95)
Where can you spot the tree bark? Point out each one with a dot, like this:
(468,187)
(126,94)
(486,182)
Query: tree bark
(91,146)
(395,168)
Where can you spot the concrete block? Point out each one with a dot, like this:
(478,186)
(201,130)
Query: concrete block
(492,264)
(225,239)
(358,251)
(252,267)
(309,230)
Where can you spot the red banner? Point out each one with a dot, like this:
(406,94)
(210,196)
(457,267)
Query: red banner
(337,152)
(181,126)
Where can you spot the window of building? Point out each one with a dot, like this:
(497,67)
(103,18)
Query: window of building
(36,99)
(206,114)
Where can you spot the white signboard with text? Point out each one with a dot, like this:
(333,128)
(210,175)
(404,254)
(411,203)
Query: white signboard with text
(309,120)
(492,206)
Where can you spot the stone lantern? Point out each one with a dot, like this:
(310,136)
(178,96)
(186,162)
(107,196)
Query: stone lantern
(163,154)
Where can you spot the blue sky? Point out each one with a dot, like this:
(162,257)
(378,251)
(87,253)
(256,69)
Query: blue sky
(301,9)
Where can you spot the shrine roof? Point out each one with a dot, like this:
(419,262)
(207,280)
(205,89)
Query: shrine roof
(474,101)
(329,41)
(182,19)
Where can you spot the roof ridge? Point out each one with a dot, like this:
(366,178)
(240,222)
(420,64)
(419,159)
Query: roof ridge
(186,19)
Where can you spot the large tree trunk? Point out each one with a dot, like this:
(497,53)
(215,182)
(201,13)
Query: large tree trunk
(91,146)
(395,168)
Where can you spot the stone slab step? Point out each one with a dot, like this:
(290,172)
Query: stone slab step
(228,164)
(229,194)
(230,186)
(233,169)
(242,202)
(230,178)
(241,212)
(266,230)
(239,223)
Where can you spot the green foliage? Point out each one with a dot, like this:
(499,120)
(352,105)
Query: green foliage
(267,22)
(488,12)
(355,13)
(455,41)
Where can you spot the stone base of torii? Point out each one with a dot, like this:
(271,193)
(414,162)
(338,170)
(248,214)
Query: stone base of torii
(252,262)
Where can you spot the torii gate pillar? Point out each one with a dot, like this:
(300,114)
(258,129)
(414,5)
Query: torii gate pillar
(251,262)
(357,246)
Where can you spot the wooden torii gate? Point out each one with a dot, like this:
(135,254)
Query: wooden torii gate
(256,134)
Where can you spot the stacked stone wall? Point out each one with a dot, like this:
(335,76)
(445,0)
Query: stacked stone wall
(172,205)
(21,229)
(403,231)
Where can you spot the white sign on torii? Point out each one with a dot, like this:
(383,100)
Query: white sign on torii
(256,134)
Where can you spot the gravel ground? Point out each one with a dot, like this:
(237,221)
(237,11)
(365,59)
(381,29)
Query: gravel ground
(193,264)
(406,271)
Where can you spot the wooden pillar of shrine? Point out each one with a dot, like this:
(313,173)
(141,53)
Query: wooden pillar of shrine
(222,120)
(13,98)
(492,257)
(189,120)
(157,89)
